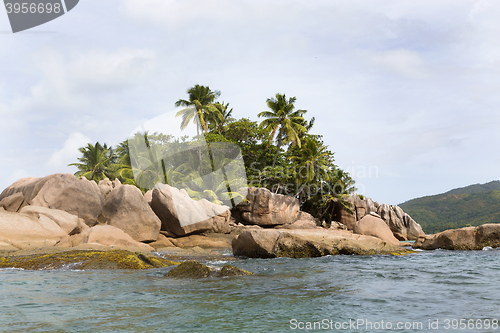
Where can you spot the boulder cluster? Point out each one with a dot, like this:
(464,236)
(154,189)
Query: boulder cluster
(400,223)
(63,211)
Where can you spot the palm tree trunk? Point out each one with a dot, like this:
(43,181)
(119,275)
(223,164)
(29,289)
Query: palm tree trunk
(280,139)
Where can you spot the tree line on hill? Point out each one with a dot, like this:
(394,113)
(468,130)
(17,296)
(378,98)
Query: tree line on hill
(473,205)
(279,153)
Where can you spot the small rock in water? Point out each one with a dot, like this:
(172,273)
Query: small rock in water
(192,269)
(228,270)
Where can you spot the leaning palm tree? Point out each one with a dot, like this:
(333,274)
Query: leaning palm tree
(96,162)
(284,121)
(198,107)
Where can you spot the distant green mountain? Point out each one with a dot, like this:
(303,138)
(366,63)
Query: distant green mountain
(472,205)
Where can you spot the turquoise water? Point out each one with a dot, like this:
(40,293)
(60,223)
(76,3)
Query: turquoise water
(418,289)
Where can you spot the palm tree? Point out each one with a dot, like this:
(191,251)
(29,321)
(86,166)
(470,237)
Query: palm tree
(316,160)
(314,157)
(96,162)
(200,103)
(283,119)
(218,120)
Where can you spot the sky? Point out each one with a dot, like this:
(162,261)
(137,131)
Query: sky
(404,92)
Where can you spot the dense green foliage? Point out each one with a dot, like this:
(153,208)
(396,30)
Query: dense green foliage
(469,206)
(96,162)
(279,153)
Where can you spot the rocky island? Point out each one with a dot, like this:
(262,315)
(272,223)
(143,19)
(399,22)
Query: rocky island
(63,213)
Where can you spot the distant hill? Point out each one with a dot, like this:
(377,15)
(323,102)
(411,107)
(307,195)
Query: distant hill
(472,205)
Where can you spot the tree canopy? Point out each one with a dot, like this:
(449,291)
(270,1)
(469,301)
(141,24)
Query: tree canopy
(279,153)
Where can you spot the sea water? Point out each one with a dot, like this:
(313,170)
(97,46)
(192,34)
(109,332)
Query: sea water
(430,291)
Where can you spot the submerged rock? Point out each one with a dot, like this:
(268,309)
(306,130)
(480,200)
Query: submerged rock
(228,270)
(117,259)
(193,269)
(190,269)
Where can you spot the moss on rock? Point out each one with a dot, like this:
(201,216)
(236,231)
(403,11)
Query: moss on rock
(191,269)
(116,259)
(228,270)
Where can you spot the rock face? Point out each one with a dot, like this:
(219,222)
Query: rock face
(264,208)
(469,238)
(272,243)
(126,209)
(344,216)
(304,221)
(13,203)
(65,192)
(109,236)
(26,232)
(401,224)
(71,224)
(376,227)
(181,215)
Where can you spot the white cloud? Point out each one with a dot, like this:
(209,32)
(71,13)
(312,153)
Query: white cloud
(69,153)
(100,70)
(401,61)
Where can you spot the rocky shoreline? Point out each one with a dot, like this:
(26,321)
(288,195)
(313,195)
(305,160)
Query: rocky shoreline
(60,213)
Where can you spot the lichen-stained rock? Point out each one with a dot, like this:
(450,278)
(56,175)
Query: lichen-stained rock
(181,215)
(272,243)
(126,209)
(78,259)
(109,236)
(376,227)
(264,208)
